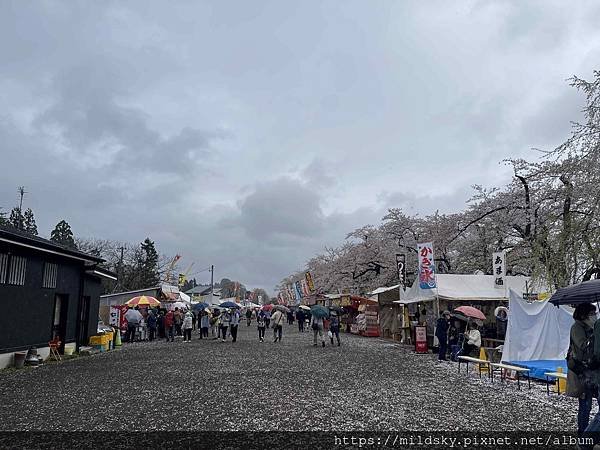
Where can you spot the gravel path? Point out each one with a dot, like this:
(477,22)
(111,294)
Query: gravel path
(366,384)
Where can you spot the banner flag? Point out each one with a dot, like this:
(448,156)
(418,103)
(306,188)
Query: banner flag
(309,281)
(499,264)
(426,266)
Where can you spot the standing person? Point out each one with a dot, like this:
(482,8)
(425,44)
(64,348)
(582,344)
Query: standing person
(300,318)
(248,316)
(188,321)
(577,378)
(472,342)
(453,335)
(441,332)
(194,320)
(178,320)
(278,319)
(308,318)
(169,322)
(160,324)
(233,325)
(268,318)
(317,326)
(261,324)
(133,318)
(225,321)
(151,319)
(334,327)
(204,324)
(501,323)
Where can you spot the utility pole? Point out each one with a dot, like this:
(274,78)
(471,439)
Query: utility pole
(22,193)
(120,269)
(212,282)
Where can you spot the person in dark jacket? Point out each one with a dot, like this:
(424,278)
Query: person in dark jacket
(441,332)
(151,320)
(334,327)
(300,318)
(581,331)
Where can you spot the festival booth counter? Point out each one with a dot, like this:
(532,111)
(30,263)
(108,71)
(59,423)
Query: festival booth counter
(393,317)
(361,314)
(454,290)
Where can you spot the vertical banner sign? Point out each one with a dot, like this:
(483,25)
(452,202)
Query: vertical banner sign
(426,266)
(114,319)
(499,264)
(298,291)
(309,281)
(421,339)
(401,265)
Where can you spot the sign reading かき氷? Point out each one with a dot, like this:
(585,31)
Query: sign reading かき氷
(426,266)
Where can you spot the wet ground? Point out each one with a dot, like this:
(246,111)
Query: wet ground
(365,384)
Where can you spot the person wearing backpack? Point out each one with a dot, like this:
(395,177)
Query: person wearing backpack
(578,358)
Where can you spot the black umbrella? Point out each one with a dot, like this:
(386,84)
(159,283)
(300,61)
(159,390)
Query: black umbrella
(586,292)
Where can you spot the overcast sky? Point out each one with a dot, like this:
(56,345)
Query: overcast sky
(250,134)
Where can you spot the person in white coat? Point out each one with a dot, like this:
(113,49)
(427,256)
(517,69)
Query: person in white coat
(188,325)
(277,319)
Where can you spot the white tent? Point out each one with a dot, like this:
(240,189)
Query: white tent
(465,287)
(536,331)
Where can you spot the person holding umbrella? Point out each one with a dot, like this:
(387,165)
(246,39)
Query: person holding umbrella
(318,314)
(235,321)
(278,318)
(300,318)
(133,318)
(581,331)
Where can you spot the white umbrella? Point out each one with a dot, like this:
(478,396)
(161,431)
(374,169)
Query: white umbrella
(179,305)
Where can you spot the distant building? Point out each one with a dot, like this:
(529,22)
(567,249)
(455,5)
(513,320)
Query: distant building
(46,291)
(202,294)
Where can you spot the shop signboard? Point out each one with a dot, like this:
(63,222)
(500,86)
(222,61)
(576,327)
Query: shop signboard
(421,339)
(114,319)
(401,266)
(426,266)
(345,301)
(499,264)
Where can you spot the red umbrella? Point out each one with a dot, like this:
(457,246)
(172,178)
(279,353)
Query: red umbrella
(469,311)
(268,307)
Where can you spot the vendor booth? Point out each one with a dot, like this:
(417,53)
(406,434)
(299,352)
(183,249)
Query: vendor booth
(454,290)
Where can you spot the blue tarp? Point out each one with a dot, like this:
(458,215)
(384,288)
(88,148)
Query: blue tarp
(539,367)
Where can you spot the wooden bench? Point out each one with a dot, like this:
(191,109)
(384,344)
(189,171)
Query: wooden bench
(503,367)
(469,359)
(555,375)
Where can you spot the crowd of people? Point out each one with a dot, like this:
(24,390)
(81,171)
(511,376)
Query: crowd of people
(219,324)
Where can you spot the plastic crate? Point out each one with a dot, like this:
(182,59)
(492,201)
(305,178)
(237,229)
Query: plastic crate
(99,340)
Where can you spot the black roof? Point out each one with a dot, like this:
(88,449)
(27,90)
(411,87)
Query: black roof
(20,236)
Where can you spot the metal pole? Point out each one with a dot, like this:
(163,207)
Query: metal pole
(212,284)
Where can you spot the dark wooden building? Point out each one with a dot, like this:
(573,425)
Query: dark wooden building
(46,290)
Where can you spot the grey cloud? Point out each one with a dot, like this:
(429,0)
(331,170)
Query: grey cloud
(283,207)
(112,115)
